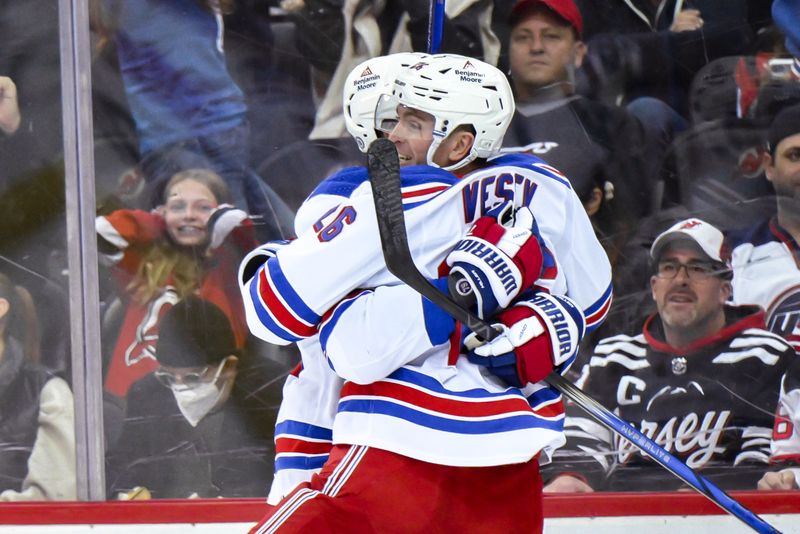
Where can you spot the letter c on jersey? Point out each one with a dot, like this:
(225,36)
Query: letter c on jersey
(622,390)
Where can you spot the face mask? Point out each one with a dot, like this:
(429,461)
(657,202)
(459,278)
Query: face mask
(196,401)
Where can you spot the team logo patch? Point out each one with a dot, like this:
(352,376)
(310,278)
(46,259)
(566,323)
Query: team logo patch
(679,365)
(463,288)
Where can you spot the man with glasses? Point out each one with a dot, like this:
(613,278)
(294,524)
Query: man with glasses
(201,425)
(703,379)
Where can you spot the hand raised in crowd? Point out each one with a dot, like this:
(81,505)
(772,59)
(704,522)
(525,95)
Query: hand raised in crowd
(686,21)
(9,107)
(778,480)
(567,484)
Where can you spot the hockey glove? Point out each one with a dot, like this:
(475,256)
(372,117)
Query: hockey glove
(258,257)
(495,262)
(539,335)
(222,222)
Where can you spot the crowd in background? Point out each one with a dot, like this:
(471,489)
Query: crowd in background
(214,119)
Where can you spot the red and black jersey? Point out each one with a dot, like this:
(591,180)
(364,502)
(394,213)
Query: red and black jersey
(712,404)
(130,233)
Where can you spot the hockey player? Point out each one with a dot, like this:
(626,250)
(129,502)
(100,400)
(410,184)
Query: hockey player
(449,433)
(703,380)
(311,392)
(310,395)
(765,271)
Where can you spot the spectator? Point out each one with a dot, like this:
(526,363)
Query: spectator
(263,61)
(654,48)
(192,244)
(188,110)
(29,55)
(16,204)
(200,426)
(336,35)
(687,381)
(33,232)
(598,147)
(765,271)
(785,445)
(37,432)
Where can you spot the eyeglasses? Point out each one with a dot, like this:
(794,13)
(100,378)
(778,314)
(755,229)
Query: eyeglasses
(694,271)
(189,379)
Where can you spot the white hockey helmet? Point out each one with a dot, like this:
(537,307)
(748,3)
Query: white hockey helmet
(364,86)
(457,91)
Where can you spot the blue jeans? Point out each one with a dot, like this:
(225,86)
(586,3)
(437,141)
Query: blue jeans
(227,154)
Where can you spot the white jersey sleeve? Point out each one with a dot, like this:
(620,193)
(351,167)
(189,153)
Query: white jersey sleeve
(375,332)
(288,296)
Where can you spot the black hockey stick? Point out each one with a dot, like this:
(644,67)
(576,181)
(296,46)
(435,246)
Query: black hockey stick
(384,175)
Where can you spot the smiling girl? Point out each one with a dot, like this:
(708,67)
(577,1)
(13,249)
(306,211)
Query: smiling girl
(191,244)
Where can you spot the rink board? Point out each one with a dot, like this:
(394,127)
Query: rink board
(659,513)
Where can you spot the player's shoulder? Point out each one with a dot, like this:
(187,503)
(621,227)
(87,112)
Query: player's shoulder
(341,183)
(533,166)
(344,182)
(420,175)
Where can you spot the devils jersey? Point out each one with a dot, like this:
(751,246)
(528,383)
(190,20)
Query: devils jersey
(765,272)
(711,404)
(128,235)
(467,418)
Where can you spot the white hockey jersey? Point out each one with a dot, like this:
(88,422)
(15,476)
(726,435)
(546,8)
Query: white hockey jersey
(303,429)
(458,414)
(765,272)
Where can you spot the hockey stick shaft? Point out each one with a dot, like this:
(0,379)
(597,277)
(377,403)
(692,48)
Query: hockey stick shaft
(435,25)
(384,175)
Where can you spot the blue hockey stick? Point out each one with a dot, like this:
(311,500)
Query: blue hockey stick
(384,175)
(435,26)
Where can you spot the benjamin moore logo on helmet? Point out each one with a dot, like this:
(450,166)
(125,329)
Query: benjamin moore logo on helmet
(467,73)
(367,80)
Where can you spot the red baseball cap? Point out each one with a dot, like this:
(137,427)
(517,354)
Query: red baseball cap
(566,9)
